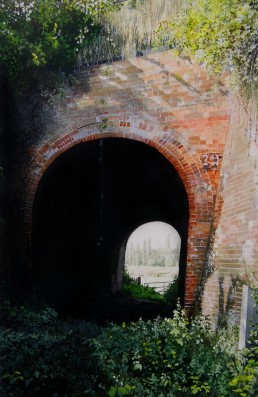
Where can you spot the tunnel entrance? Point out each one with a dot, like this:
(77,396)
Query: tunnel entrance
(88,202)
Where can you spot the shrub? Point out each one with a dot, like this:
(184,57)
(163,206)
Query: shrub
(44,356)
(171,357)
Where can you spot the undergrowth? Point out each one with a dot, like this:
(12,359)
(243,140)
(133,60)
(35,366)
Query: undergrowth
(175,357)
(42,355)
(45,356)
(132,288)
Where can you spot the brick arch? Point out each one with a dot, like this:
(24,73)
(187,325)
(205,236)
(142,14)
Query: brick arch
(172,146)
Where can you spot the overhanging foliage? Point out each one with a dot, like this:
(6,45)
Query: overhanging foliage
(46,32)
(223,34)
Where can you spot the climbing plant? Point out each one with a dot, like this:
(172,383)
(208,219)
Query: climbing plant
(46,32)
(223,34)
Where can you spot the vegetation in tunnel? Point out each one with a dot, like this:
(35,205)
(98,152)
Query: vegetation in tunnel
(132,288)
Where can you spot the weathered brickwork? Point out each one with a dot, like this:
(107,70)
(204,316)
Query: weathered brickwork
(234,258)
(163,101)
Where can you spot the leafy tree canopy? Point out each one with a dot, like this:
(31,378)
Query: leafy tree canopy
(223,34)
(46,32)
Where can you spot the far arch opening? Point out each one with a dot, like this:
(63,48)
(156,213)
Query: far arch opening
(152,255)
(88,202)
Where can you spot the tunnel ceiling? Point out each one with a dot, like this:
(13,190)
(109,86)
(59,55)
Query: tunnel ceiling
(88,202)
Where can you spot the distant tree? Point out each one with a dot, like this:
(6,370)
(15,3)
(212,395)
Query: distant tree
(149,248)
(130,255)
(139,255)
(144,254)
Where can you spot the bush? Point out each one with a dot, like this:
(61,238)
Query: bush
(171,357)
(44,356)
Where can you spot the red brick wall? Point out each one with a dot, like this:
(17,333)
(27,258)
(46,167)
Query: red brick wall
(234,257)
(166,102)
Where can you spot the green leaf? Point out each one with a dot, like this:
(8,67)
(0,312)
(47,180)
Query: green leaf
(112,392)
(36,374)
(137,366)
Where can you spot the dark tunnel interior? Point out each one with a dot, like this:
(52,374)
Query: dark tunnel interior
(88,202)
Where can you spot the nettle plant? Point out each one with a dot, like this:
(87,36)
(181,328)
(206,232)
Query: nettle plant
(174,357)
(50,32)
